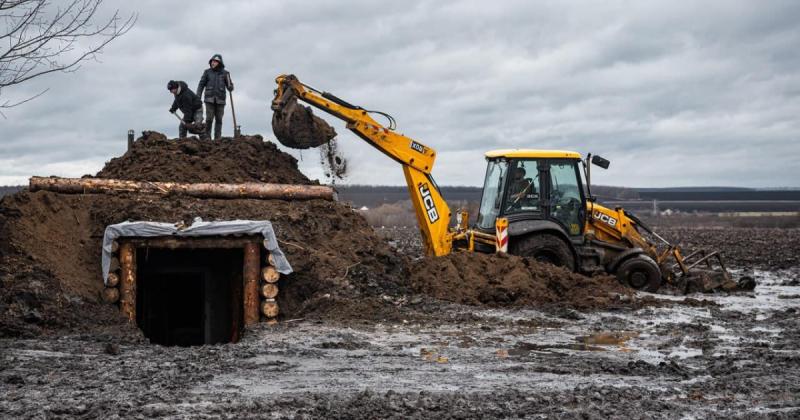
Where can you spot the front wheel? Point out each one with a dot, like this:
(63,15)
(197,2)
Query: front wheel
(640,273)
(546,248)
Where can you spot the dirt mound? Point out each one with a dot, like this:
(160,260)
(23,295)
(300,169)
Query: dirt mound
(50,243)
(244,159)
(501,280)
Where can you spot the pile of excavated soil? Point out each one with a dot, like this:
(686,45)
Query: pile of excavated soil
(50,243)
(245,159)
(501,280)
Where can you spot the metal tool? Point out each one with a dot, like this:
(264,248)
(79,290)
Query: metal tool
(237,130)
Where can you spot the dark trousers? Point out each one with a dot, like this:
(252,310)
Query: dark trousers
(214,114)
(189,119)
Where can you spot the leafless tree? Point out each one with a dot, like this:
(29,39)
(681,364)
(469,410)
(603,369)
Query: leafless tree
(38,37)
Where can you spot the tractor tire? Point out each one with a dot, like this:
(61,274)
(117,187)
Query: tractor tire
(546,248)
(640,273)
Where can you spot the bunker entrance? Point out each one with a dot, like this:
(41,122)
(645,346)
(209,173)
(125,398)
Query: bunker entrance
(187,297)
(183,290)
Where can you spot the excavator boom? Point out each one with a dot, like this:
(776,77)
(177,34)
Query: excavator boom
(298,128)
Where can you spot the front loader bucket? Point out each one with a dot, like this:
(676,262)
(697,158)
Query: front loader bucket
(697,273)
(295,126)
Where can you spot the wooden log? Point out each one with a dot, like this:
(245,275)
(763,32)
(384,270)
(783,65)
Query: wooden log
(114,246)
(184,242)
(270,308)
(127,303)
(270,259)
(112,280)
(113,265)
(201,190)
(110,295)
(252,263)
(237,302)
(270,274)
(269,290)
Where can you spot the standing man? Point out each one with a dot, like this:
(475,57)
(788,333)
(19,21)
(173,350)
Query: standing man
(190,105)
(214,82)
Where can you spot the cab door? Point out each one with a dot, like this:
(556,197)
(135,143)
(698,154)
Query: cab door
(565,200)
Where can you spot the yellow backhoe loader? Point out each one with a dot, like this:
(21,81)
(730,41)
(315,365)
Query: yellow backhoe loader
(535,203)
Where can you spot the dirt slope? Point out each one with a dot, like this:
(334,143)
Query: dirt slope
(501,280)
(50,243)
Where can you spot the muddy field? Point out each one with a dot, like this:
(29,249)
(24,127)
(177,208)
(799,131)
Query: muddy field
(712,356)
(369,329)
(732,357)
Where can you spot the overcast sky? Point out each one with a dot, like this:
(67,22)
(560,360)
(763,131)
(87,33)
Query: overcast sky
(673,93)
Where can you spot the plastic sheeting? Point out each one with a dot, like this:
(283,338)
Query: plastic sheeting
(197,229)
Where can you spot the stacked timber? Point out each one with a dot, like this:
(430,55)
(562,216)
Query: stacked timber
(110,293)
(269,291)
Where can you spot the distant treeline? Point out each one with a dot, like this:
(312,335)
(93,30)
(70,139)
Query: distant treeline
(9,190)
(730,195)
(375,195)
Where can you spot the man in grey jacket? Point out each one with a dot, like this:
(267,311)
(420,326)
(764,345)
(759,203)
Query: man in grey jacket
(214,82)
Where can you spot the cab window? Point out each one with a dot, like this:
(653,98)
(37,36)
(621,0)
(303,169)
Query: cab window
(524,187)
(565,196)
(493,187)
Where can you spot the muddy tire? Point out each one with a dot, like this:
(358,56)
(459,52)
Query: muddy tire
(640,273)
(545,247)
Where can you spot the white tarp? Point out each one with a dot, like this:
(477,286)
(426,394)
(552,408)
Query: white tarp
(198,228)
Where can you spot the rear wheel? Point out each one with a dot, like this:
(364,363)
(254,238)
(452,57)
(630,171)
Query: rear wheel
(640,273)
(545,247)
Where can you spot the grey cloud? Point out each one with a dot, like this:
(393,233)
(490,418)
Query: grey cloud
(672,93)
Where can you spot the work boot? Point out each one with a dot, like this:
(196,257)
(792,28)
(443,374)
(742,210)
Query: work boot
(217,130)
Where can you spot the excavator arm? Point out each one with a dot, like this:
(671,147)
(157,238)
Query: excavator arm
(416,159)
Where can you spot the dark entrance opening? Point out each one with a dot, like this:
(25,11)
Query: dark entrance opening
(189,297)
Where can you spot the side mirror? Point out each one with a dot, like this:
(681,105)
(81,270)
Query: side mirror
(603,163)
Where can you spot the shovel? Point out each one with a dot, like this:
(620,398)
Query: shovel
(237,130)
(194,128)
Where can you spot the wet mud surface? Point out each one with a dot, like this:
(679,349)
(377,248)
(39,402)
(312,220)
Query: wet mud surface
(737,359)
(369,329)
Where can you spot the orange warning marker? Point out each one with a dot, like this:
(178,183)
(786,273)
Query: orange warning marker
(501,234)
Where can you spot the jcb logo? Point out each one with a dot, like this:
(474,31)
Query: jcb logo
(605,218)
(427,200)
(418,147)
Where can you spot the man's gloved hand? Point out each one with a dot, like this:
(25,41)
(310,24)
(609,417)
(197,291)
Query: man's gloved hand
(171,111)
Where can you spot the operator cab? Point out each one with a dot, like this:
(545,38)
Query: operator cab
(528,184)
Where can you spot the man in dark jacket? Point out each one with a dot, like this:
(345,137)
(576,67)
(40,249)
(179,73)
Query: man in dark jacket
(213,82)
(190,105)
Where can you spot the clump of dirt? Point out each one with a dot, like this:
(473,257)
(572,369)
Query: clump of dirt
(333,162)
(244,159)
(501,280)
(296,126)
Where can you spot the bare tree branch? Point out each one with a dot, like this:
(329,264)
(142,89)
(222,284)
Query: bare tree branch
(41,37)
